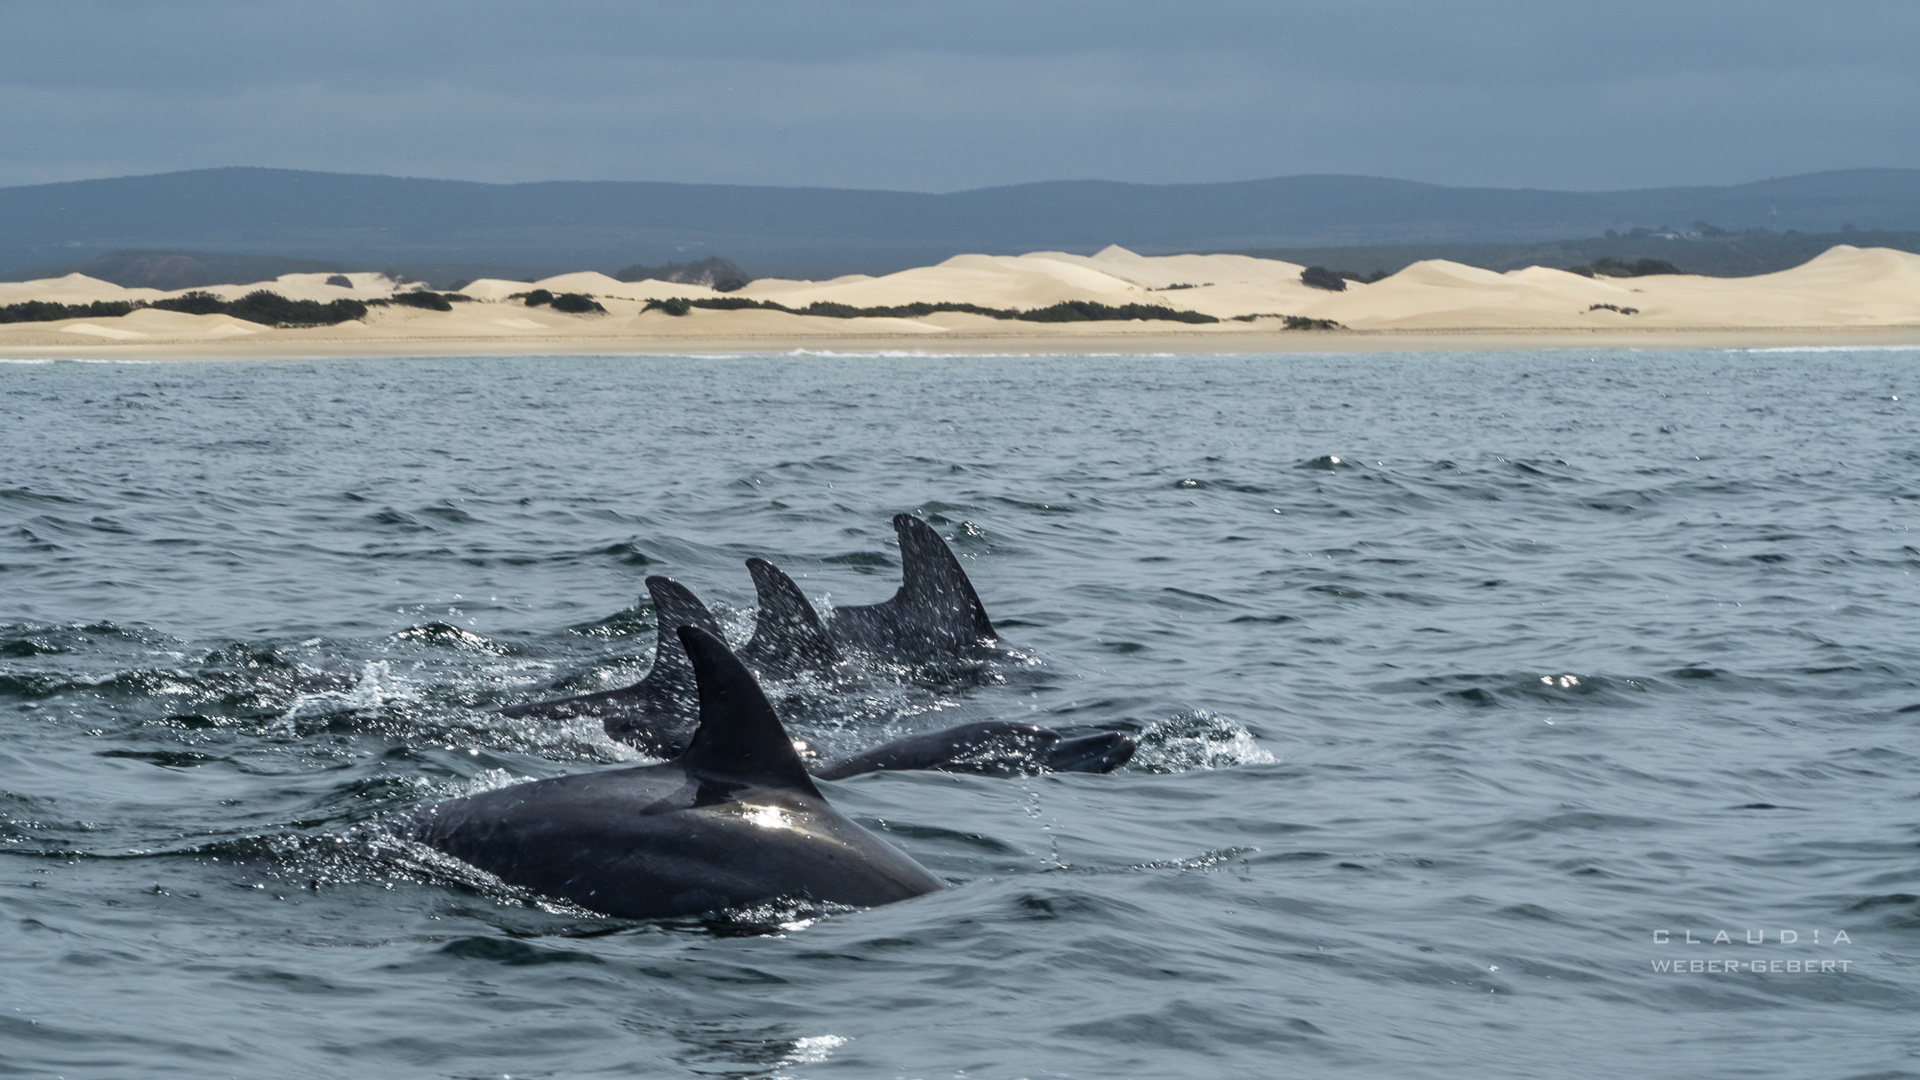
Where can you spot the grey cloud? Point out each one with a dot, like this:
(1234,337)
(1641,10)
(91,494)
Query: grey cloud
(942,96)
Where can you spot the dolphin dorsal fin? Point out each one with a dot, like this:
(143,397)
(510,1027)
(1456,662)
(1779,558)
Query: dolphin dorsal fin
(739,737)
(788,637)
(674,606)
(934,585)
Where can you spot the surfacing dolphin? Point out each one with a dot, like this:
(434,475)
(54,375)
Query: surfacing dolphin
(734,820)
(934,616)
(658,713)
(990,748)
(788,637)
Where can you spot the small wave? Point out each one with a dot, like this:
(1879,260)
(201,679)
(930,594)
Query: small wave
(445,635)
(1328,463)
(450,514)
(1520,688)
(859,558)
(1196,740)
(1827,349)
(920,354)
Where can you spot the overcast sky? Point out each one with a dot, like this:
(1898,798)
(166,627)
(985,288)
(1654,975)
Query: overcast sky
(961,94)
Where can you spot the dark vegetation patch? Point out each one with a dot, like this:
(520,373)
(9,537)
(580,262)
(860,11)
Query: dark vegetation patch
(260,306)
(340,281)
(572,303)
(1616,268)
(266,308)
(423,299)
(47,311)
(1088,311)
(1294,322)
(1615,307)
(716,273)
(1065,311)
(1320,277)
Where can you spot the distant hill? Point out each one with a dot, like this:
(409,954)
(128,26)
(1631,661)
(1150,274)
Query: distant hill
(380,220)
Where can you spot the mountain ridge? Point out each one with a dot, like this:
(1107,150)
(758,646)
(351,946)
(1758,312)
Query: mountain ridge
(813,231)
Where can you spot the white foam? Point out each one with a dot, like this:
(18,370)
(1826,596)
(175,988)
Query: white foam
(1830,349)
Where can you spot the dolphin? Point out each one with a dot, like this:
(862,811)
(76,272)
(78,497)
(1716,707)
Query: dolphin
(658,713)
(733,820)
(990,748)
(788,636)
(934,616)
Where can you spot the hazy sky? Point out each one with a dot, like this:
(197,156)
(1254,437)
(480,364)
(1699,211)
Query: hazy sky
(960,93)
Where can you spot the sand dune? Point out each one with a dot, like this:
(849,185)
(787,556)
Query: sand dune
(1844,290)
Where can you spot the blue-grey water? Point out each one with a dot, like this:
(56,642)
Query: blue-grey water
(1468,688)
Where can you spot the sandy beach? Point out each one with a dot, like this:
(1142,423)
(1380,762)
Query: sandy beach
(1847,297)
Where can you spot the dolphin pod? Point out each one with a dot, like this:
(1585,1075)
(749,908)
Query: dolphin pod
(735,819)
(935,615)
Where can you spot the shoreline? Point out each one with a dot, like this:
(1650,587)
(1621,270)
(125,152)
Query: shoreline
(980,305)
(297,345)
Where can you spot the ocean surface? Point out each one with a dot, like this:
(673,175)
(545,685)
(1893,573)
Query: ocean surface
(1469,687)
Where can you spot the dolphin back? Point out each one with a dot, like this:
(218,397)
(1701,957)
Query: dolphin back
(989,748)
(735,820)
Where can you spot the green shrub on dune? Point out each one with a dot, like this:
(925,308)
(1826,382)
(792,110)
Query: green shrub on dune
(192,303)
(267,308)
(426,301)
(261,306)
(1089,311)
(50,311)
(1065,311)
(574,303)
(1292,322)
(272,309)
(1319,277)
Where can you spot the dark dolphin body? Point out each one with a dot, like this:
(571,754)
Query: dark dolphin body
(658,713)
(990,748)
(934,616)
(734,820)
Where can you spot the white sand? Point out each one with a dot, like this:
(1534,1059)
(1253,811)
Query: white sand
(1846,294)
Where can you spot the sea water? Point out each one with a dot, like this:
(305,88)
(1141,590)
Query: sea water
(1500,715)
